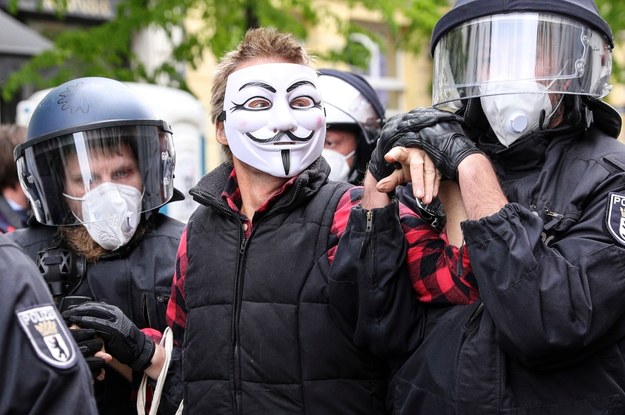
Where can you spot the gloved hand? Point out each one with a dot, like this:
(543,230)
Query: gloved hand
(122,338)
(88,345)
(437,132)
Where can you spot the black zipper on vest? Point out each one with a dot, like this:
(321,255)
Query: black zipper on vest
(368,229)
(236,310)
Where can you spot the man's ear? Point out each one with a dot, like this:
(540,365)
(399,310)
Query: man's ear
(220,133)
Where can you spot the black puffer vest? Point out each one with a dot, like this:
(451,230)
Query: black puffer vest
(262,335)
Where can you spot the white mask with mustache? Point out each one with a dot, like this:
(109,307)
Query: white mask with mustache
(273,117)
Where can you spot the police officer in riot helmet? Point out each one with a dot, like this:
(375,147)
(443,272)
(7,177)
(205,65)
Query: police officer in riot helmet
(354,116)
(522,69)
(519,124)
(97,165)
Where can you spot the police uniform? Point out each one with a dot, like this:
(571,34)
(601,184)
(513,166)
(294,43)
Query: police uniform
(42,370)
(77,123)
(137,279)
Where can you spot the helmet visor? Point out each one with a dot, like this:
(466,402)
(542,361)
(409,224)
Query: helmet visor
(57,173)
(510,52)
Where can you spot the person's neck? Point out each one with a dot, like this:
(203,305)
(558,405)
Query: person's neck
(256,187)
(15,195)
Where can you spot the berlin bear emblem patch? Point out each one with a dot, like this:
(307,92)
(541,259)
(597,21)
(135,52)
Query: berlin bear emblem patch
(615,218)
(48,335)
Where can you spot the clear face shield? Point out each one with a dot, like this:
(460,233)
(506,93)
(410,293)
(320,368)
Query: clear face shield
(520,53)
(110,174)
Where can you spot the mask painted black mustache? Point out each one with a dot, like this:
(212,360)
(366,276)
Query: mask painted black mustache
(281,134)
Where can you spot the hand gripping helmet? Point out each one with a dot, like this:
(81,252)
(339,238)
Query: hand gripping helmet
(351,103)
(492,47)
(89,119)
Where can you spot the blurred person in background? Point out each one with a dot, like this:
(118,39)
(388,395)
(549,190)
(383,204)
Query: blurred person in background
(14,206)
(354,116)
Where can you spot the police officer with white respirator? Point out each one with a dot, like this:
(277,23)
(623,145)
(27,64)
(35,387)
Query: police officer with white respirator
(97,165)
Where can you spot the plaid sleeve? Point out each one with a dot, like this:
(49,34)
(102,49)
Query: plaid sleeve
(349,199)
(440,272)
(177,308)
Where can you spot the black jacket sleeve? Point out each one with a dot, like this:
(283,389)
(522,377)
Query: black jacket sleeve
(553,302)
(371,257)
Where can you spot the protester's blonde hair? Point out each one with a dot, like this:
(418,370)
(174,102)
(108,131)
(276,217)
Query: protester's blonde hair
(264,42)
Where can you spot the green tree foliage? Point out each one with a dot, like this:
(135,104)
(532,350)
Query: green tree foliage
(105,50)
(613,11)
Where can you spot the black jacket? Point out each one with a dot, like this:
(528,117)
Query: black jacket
(137,279)
(42,370)
(271,326)
(548,336)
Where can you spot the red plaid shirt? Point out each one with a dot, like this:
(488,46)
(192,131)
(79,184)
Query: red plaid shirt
(440,273)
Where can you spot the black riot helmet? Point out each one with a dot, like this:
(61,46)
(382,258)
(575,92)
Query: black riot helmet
(89,119)
(544,53)
(479,44)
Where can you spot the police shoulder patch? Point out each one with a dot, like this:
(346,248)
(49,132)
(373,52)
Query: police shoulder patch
(615,218)
(48,335)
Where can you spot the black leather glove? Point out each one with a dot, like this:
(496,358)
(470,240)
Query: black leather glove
(437,132)
(88,345)
(122,338)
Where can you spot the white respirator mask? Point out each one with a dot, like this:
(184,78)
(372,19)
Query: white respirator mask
(111,213)
(339,168)
(513,115)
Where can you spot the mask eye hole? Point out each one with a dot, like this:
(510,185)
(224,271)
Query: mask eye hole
(257,104)
(302,102)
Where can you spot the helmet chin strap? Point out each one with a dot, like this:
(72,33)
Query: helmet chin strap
(550,118)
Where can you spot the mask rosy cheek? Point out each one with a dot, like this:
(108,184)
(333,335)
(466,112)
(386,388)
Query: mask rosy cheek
(243,125)
(321,121)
